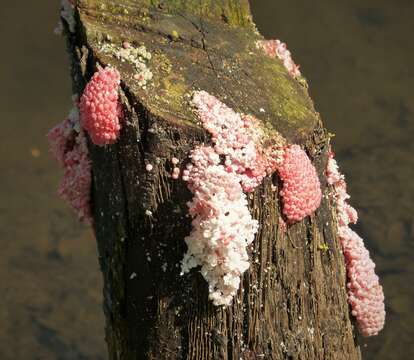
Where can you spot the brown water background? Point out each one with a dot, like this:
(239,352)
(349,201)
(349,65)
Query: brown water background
(358,58)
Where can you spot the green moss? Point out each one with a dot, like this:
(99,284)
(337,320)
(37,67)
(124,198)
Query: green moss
(234,12)
(175,90)
(162,62)
(237,13)
(287,98)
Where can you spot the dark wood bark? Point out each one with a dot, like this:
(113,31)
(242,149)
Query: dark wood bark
(292,302)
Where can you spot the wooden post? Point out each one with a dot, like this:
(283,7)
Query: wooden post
(292,302)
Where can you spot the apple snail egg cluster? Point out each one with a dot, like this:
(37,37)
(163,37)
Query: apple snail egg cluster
(365,294)
(301,192)
(99,107)
(218,176)
(98,113)
(68,145)
(278,49)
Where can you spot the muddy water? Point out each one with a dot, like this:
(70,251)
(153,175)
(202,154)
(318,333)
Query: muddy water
(50,287)
(357,56)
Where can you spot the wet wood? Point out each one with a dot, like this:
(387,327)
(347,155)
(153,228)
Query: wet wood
(292,302)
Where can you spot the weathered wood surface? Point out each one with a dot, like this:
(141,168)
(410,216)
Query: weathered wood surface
(292,304)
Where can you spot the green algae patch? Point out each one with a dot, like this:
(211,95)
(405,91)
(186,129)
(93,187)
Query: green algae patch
(175,90)
(288,100)
(233,12)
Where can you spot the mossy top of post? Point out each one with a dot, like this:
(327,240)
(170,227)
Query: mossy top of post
(233,12)
(197,45)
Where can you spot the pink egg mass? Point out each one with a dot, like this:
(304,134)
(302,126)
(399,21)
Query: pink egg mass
(222,224)
(301,193)
(218,177)
(100,110)
(276,48)
(70,149)
(365,294)
(236,138)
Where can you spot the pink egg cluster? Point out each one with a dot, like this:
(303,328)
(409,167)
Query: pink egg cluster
(59,137)
(237,138)
(365,294)
(276,48)
(68,145)
(218,176)
(100,110)
(301,192)
(222,225)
